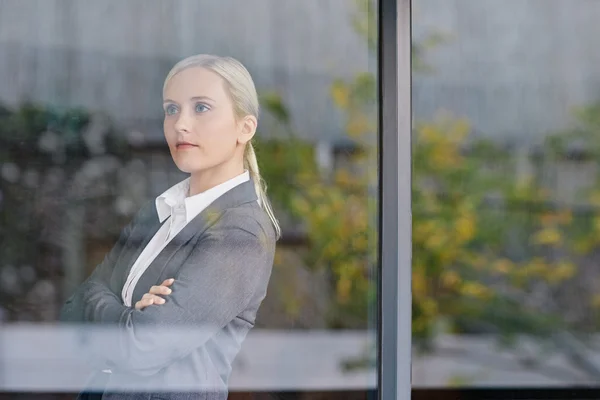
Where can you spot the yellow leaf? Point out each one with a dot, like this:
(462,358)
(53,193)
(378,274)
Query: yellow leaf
(428,134)
(476,289)
(429,306)
(436,241)
(357,125)
(547,236)
(448,255)
(450,279)
(536,266)
(340,95)
(502,266)
(465,228)
(419,285)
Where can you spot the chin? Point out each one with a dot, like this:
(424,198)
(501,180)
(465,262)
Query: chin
(188,168)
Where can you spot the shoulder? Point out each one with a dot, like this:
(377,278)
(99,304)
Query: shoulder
(248,217)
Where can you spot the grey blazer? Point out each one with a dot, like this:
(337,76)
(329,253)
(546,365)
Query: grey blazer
(183,349)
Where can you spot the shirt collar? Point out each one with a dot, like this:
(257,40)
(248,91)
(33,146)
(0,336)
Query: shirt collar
(194,205)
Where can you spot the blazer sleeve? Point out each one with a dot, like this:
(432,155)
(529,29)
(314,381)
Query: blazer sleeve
(96,286)
(227,270)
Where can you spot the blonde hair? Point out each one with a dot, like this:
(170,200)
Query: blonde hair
(240,86)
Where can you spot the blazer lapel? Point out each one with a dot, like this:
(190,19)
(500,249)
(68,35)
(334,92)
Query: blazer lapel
(139,238)
(169,257)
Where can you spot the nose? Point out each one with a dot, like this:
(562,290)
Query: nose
(183,123)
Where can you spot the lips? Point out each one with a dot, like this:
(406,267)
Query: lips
(185,145)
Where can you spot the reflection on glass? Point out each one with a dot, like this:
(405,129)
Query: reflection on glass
(200,269)
(83,148)
(505,193)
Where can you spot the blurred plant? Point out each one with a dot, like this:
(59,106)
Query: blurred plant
(338,209)
(41,150)
(492,250)
(335,210)
(51,135)
(581,143)
(479,254)
(488,242)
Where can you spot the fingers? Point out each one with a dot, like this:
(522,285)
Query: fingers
(142,304)
(160,290)
(152,296)
(147,300)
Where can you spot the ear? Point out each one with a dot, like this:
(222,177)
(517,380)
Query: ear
(248,126)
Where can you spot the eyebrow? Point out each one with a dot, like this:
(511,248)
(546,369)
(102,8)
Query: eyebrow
(192,98)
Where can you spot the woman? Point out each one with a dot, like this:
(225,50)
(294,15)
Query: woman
(184,282)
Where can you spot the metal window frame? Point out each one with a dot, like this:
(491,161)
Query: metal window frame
(395,224)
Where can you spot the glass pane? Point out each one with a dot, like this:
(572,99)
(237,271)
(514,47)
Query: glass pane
(111,183)
(505,193)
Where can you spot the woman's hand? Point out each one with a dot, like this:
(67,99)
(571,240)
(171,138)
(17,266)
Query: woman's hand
(152,297)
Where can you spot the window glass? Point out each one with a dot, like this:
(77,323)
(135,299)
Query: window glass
(89,142)
(505,193)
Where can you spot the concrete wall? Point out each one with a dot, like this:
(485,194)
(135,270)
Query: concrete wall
(113,55)
(515,68)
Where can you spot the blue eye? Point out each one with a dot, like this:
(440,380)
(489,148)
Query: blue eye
(200,107)
(170,109)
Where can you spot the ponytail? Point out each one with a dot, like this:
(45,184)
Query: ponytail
(251,164)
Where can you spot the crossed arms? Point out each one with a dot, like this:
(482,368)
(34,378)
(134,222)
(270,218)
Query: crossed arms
(225,273)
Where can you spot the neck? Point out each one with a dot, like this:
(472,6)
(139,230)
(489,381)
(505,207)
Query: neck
(201,181)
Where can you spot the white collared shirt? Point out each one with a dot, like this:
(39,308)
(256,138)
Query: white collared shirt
(182,208)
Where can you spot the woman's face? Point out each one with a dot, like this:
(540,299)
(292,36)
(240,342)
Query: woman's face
(200,125)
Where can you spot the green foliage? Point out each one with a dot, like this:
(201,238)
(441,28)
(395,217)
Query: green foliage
(335,209)
(483,237)
(467,269)
(23,129)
